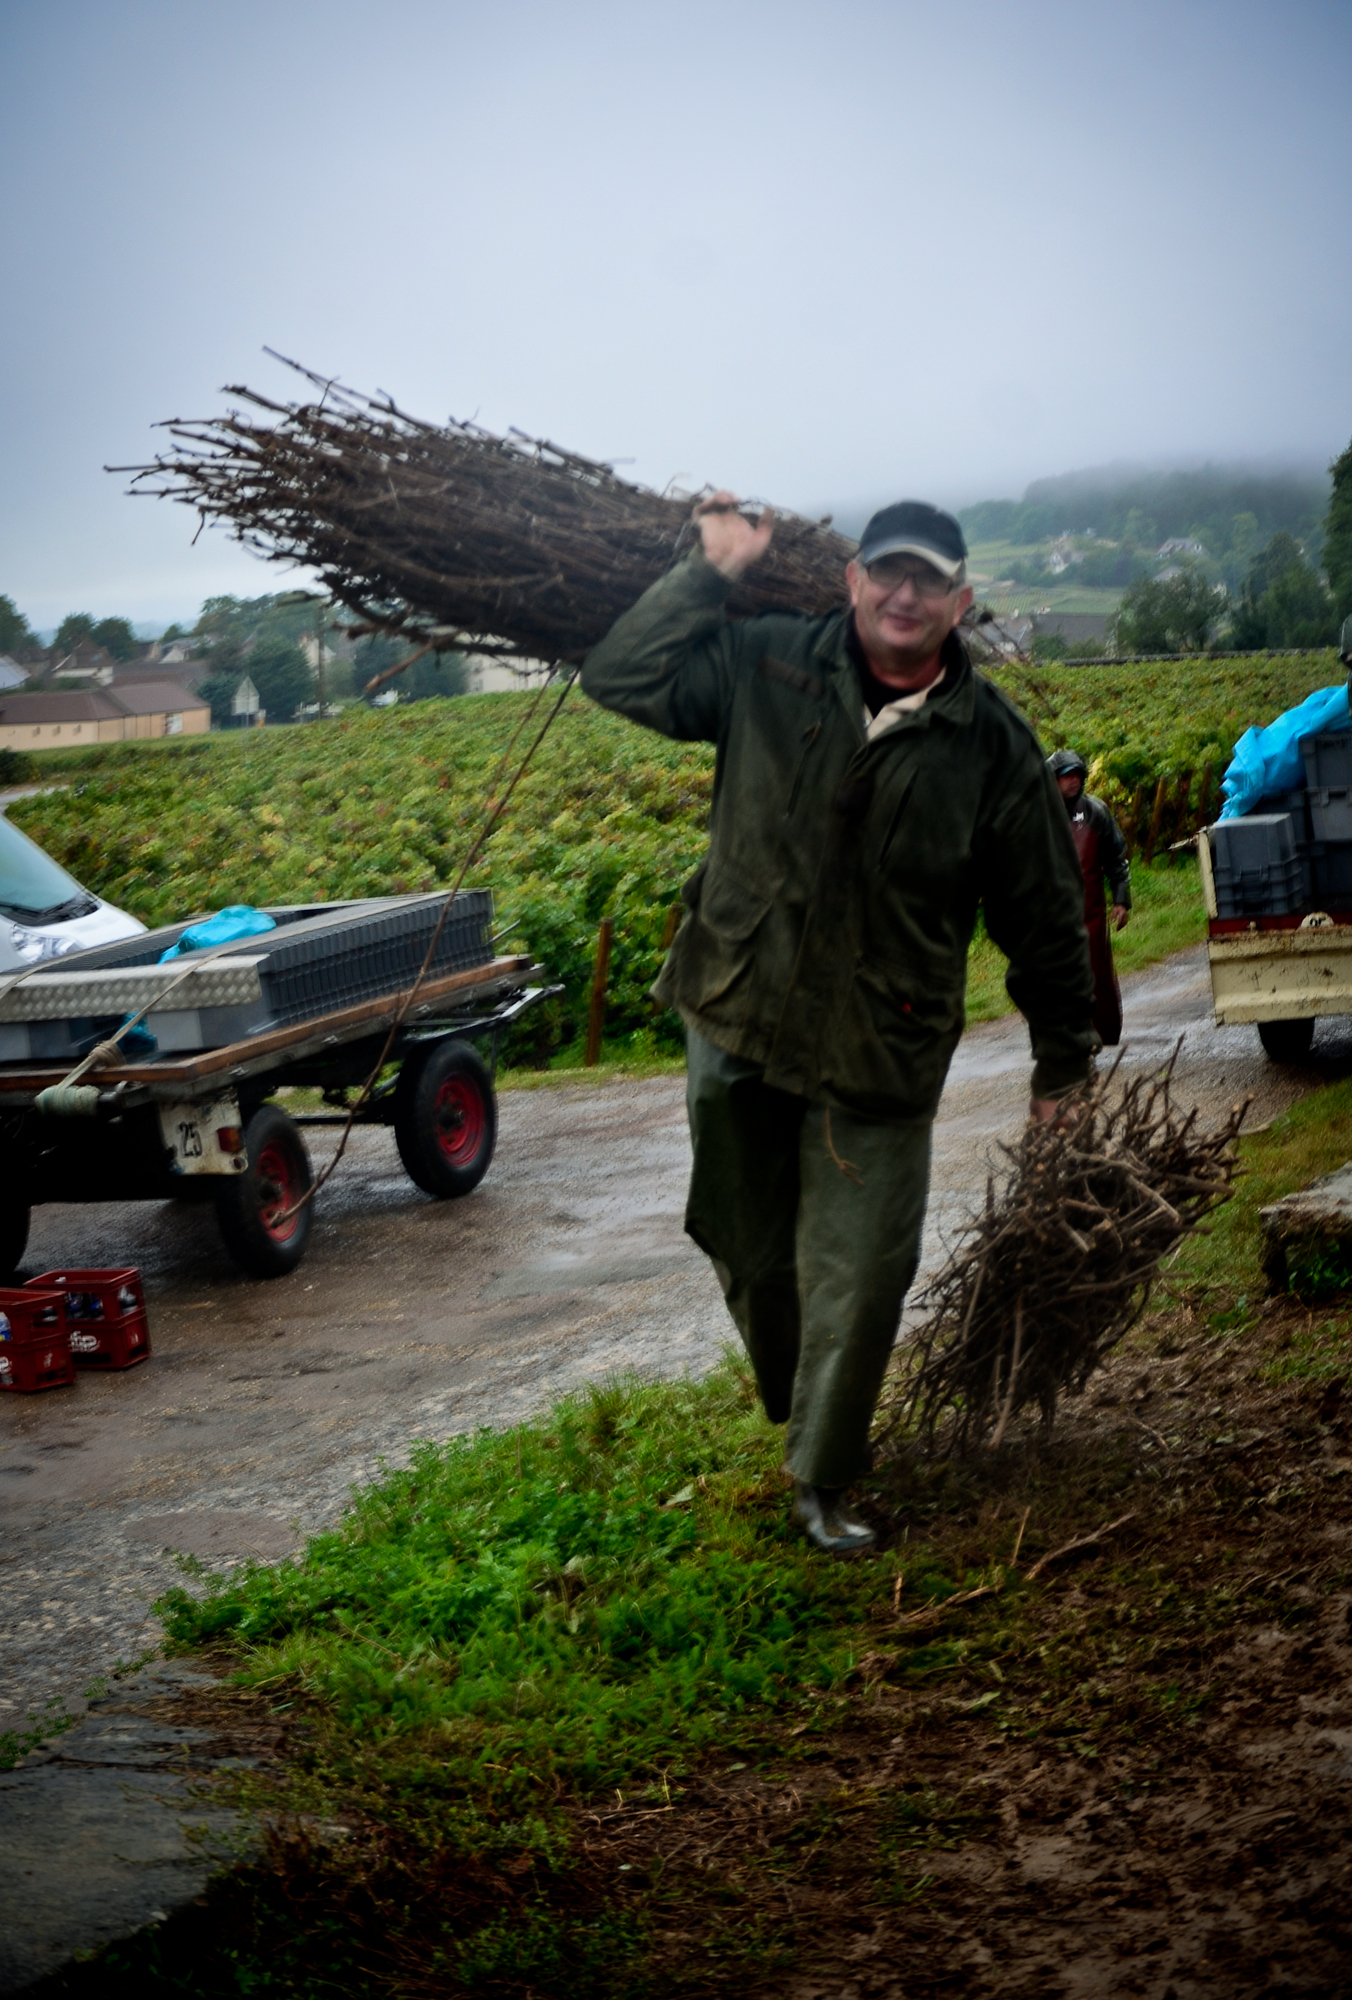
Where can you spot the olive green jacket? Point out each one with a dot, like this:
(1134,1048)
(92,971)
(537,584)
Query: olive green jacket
(828,928)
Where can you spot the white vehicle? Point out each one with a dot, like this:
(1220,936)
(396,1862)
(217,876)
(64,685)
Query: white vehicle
(44,913)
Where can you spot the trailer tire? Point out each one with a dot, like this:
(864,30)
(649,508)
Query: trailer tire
(445,1118)
(247,1207)
(14,1219)
(1286,1041)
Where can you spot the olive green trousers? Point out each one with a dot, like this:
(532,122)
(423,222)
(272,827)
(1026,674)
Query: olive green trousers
(812,1218)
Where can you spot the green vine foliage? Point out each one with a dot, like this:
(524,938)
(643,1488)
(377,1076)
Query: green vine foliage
(609,820)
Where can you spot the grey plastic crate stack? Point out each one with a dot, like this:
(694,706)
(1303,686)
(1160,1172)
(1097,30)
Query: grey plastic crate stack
(1295,852)
(1328,791)
(317,961)
(1258,867)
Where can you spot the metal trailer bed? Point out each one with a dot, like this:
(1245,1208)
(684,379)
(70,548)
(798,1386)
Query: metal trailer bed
(200,1126)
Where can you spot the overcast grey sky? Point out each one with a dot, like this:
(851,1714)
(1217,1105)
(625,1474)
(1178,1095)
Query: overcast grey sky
(827,251)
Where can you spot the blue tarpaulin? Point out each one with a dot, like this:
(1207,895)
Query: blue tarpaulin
(238,921)
(1269,760)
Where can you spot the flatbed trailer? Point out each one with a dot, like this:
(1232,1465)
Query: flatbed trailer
(201,1126)
(1280,972)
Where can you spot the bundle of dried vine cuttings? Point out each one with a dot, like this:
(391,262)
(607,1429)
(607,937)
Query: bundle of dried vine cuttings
(1058,1268)
(446,532)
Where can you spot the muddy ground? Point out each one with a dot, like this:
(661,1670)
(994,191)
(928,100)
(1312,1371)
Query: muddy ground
(265,1403)
(1134,1779)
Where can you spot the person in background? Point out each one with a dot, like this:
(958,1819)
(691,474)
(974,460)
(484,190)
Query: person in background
(1103,859)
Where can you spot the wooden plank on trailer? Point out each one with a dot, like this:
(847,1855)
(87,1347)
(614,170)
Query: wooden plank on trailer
(319,1032)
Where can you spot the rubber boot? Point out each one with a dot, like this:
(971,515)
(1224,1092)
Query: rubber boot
(821,1509)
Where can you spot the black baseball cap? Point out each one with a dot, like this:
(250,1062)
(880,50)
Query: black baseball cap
(914,528)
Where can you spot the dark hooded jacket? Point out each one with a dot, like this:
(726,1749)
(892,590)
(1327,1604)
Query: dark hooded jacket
(827,931)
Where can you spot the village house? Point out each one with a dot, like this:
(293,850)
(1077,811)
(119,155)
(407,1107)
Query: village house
(101,715)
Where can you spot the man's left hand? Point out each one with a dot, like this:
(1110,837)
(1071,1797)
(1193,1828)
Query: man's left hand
(1053,1111)
(1121,912)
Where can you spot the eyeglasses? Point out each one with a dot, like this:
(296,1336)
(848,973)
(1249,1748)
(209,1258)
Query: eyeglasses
(890,572)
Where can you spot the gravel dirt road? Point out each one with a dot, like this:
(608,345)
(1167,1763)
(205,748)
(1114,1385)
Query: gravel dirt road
(265,1403)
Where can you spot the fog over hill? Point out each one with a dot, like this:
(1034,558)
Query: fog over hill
(1146,504)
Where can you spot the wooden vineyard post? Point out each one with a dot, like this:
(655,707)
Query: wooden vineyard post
(669,930)
(1204,797)
(597,1016)
(1179,816)
(1156,815)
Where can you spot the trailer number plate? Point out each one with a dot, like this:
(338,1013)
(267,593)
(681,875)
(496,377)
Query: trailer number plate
(204,1135)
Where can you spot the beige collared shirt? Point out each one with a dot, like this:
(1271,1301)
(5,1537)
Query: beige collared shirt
(905,704)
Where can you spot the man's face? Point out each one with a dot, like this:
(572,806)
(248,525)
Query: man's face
(904,609)
(1070,784)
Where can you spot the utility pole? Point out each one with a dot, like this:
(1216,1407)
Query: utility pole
(319,655)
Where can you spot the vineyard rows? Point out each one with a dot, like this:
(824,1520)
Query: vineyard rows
(609,821)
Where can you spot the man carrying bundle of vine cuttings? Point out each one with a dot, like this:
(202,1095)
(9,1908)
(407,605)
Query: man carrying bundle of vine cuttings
(870,792)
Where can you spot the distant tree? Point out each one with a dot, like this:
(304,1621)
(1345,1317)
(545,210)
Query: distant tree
(435,674)
(172,632)
(76,625)
(1337,536)
(1139,531)
(1283,602)
(1112,564)
(1244,537)
(282,676)
(1166,615)
(372,656)
(14,628)
(116,637)
(219,690)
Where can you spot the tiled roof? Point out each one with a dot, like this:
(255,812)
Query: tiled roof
(153,697)
(98,705)
(19,710)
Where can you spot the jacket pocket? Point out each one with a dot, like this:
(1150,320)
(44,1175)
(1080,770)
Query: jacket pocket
(909,1007)
(717,947)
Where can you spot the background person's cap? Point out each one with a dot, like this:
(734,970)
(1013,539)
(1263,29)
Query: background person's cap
(914,528)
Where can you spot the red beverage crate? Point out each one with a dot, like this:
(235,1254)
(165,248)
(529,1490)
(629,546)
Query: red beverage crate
(105,1315)
(34,1342)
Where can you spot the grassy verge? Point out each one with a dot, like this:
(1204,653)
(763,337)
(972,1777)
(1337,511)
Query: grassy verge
(571,1709)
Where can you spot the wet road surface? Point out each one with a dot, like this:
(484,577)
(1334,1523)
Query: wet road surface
(265,1403)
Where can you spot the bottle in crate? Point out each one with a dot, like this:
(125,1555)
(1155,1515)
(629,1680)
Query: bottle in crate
(34,1340)
(105,1315)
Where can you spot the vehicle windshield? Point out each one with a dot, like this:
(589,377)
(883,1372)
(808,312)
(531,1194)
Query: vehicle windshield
(33,889)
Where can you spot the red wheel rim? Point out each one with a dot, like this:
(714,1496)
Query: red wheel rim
(279,1187)
(459,1121)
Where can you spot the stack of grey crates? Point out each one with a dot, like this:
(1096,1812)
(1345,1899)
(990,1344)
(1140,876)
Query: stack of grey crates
(1295,852)
(1328,792)
(320,959)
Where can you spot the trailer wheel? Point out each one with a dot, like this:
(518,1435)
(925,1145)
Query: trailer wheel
(1286,1041)
(251,1209)
(14,1216)
(445,1119)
